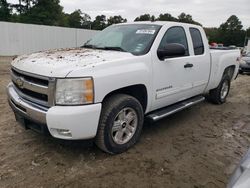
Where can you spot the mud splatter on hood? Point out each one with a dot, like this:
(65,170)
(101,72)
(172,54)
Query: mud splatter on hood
(58,63)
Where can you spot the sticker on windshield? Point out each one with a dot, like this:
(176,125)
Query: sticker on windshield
(146,31)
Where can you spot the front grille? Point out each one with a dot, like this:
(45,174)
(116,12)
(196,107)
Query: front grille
(43,82)
(34,88)
(39,96)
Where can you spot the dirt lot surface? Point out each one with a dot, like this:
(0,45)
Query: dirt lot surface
(198,147)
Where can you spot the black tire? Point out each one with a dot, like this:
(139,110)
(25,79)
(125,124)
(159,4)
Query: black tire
(215,94)
(112,107)
(240,72)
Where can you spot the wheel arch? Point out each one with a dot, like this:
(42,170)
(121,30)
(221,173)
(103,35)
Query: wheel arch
(139,91)
(230,70)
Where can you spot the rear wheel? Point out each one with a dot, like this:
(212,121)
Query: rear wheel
(120,124)
(219,94)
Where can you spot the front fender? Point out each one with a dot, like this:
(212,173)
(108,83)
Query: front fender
(120,77)
(114,75)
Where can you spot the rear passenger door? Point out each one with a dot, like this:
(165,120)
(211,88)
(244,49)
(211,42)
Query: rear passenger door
(200,59)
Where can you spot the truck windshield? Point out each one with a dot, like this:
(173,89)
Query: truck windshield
(134,38)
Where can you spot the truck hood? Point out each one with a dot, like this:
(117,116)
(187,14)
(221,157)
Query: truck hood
(59,63)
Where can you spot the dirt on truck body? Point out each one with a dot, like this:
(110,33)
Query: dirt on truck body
(198,147)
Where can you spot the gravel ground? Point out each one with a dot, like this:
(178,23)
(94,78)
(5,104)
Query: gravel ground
(198,147)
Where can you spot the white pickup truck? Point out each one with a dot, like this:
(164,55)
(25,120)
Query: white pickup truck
(104,90)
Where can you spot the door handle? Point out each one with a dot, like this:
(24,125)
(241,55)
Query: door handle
(188,65)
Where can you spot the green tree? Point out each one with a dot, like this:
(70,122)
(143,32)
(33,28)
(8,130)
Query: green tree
(75,19)
(64,20)
(86,21)
(145,17)
(248,32)
(166,17)
(19,7)
(46,12)
(116,19)
(187,18)
(213,34)
(232,24)
(152,18)
(99,23)
(23,5)
(5,11)
(231,32)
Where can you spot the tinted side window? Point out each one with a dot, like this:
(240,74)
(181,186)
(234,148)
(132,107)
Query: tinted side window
(197,41)
(175,35)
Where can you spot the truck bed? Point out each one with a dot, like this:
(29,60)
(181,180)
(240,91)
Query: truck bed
(219,60)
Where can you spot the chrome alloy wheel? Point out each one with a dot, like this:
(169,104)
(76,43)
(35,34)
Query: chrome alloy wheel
(124,126)
(224,90)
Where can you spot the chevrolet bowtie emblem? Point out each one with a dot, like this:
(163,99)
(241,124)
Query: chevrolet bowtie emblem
(20,82)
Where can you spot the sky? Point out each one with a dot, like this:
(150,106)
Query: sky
(210,13)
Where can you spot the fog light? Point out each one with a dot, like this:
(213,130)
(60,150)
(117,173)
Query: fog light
(62,132)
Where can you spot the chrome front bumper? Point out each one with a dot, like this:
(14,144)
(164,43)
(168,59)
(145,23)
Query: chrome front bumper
(26,109)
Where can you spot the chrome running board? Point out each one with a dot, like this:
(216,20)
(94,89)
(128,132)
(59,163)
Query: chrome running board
(167,111)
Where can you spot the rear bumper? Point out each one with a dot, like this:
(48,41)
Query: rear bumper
(80,121)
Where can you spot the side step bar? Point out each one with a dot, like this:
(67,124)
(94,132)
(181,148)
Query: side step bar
(164,112)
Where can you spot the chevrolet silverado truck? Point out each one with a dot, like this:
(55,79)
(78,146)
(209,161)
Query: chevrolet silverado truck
(125,74)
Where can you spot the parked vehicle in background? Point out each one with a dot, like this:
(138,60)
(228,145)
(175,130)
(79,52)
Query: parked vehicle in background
(126,72)
(245,63)
(233,47)
(220,45)
(241,175)
(216,45)
(213,45)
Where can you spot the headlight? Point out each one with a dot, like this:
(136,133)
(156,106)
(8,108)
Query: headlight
(74,91)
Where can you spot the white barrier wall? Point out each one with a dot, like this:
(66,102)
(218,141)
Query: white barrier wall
(17,38)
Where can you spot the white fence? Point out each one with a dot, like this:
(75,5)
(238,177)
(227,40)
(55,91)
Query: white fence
(16,38)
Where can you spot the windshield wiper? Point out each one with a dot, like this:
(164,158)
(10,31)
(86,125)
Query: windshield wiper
(116,48)
(89,46)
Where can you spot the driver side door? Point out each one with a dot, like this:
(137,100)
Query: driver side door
(171,77)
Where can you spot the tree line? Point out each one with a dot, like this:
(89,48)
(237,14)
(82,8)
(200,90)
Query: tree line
(50,12)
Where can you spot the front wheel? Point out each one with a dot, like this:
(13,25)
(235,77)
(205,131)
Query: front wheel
(219,94)
(120,124)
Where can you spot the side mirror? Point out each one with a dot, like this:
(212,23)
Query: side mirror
(170,51)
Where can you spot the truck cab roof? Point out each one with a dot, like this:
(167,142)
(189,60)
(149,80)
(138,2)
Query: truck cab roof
(161,23)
